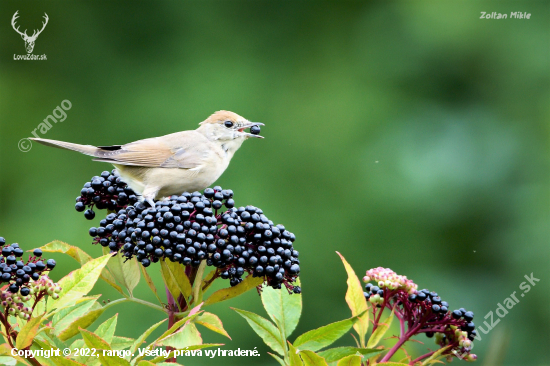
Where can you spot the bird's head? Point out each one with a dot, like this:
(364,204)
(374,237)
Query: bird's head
(228,128)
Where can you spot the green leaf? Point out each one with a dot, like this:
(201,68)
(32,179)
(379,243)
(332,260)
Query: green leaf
(5,350)
(37,345)
(294,355)
(9,361)
(277,358)
(78,283)
(67,321)
(310,358)
(378,334)
(190,348)
(265,329)
(126,272)
(175,279)
(28,332)
(80,256)
(106,330)
(212,322)
(228,293)
(62,361)
(435,356)
(145,363)
(351,360)
(119,343)
(197,285)
(322,337)
(283,308)
(335,354)
(176,326)
(92,340)
(186,336)
(138,342)
(356,302)
(150,283)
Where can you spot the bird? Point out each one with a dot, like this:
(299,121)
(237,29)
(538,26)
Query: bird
(184,161)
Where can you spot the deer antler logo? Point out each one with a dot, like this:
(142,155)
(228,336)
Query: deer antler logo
(29,41)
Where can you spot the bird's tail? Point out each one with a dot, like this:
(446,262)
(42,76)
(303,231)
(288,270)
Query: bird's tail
(84,149)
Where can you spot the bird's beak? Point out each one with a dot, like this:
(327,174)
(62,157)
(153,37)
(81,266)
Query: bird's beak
(248,125)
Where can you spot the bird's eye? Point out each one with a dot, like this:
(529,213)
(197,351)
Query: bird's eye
(228,124)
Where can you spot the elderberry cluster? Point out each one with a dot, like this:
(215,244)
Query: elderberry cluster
(193,227)
(104,191)
(423,311)
(17,273)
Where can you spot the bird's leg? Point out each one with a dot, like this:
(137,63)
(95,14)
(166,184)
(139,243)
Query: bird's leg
(149,194)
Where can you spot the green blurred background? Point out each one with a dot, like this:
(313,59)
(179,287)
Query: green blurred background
(409,135)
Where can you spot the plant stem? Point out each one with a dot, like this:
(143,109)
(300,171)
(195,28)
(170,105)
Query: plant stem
(171,319)
(423,357)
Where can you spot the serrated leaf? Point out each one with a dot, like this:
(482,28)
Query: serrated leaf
(228,293)
(78,283)
(139,341)
(92,340)
(65,323)
(125,271)
(150,283)
(176,326)
(28,332)
(106,330)
(335,354)
(277,358)
(283,308)
(310,358)
(265,329)
(380,331)
(175,279)
(324,336)
(119,343)
(356,301)
(351,360)
(211,322)
(80,256)
(188,335)
(294,355)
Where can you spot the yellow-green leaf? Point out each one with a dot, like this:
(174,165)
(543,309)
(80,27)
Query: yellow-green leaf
(212,322)
(139,341)
(197,285)
(5,349)
(190,348)
(379,333)
(66,330)
(78,283)
(294,355)
(80,256)
(265,329)
(150,283)
(207,282)
(175,279)
(335,354)
(186,336)
(126,272)
(62,361)
(28,332)
(176,326)
(277,358)
(350,361)
(356,302)
(106,330)
(324,336)
(119,343)
(435,356)
(228,293)
(145,363)
(310,358)
(92,340)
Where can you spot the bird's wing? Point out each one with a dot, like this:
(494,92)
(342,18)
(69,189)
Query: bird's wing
(187,150)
